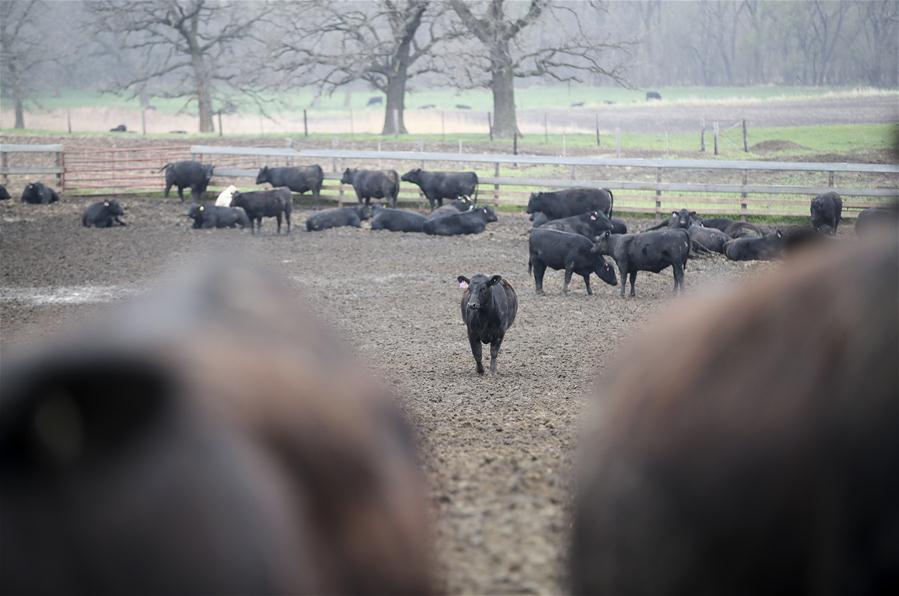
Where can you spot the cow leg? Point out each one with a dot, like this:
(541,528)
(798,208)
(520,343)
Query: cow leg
(569,270)
(633,277)
(278,217)
(181,193)
(587,283)
(476,352)
(120,222)
(622,273)
(539,271)
(494,352)
(287,218)
(168,187)
(678,277)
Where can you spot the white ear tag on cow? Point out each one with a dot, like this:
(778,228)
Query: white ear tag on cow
(463,284)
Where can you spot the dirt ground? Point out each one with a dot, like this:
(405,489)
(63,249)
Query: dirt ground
(496,449)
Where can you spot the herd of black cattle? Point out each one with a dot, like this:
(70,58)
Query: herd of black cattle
(195,442)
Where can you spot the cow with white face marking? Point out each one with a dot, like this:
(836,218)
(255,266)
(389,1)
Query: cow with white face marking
(489,305)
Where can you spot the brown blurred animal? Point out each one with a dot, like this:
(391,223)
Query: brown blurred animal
(750,444)
(211,440)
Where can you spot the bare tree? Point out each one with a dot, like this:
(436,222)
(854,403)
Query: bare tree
(384,43)
(22,48)
(509,55)
(190,45)
(879,24)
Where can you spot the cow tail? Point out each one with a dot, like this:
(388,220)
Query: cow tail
(166,166)
(530,266)
(477,184)
(689,248)
(611,201)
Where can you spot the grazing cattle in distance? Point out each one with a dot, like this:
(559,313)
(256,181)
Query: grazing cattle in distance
(38,194)
(187,174)
(649,251)
(572,252)
(489,305)
(462,106)
(373,184)
(826,210)
(119,128)
(877,218)
(339,217)
(265,203)
(588,225)
(398,220)
(473,221)
(766,248)
(224,198)
(213,216)
(573,201)
(437,186)
(428,106)
(299,179)
(4,194)
(207,438)
(374,101)
(747,443)
(103,214)
(653,95)
(577,104)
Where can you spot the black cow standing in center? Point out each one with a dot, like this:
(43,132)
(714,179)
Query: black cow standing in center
(38,194)
(649,251)
(373,184)
(489,305)
(826,210)
(572,252)
(187,174)
(437,186)
(265,203)
(104,214)
(565,203)
(298,179)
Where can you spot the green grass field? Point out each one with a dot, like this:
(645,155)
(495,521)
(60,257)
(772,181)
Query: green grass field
(527,97)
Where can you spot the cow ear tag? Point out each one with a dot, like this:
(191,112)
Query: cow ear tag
(463,285)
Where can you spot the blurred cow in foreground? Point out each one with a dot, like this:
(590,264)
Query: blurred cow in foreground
(749,444)
(211,440)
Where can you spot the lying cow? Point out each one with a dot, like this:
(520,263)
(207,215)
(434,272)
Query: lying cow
(336,218)
(649,251)
(437,186)
(213,216)
(826,210)
(299,179)
(275,203)
(104,214)
(746,443)
(489,305)
(451,209)
(766,248)
(4,194)
(225,197)
(38,194)
(211,438)
(735,229)
(682,219)
(565,203)
(588,225)
(398,220)
(707,240)
(572,252)
(473,221)
(373,184)
(187,174)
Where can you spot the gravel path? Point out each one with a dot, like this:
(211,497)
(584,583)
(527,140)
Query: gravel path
(496,449)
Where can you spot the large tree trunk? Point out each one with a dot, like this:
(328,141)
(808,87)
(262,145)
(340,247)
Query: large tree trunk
(394,119)
(502,85)
(204,93)
(20,113)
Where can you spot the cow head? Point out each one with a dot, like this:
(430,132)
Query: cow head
(489,214)
(599,222)
(601,244)
(604,270)
(364,211)
(681,219)
(207,172)
(478,289)
(113,207)
(263,175)
(348,175)
(535,203)
(413,176)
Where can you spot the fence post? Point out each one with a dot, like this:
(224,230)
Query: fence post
(443,124)
(305,125)
(379,157)
(545,129)
(745,137)
(69,120)
(597,129)
(573,173)
(659,194)
(4,161)
(143,122)
(352,131)
(564,147)
(618,141)
(221,131)
(715,134)
(496,186)
(743,195)
(830,178)
(421,149)
(490,125)
(461,165)
(61,175)
(667,143)
(515,143)
(702,135)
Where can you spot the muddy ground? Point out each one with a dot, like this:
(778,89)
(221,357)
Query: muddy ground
(496,449)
